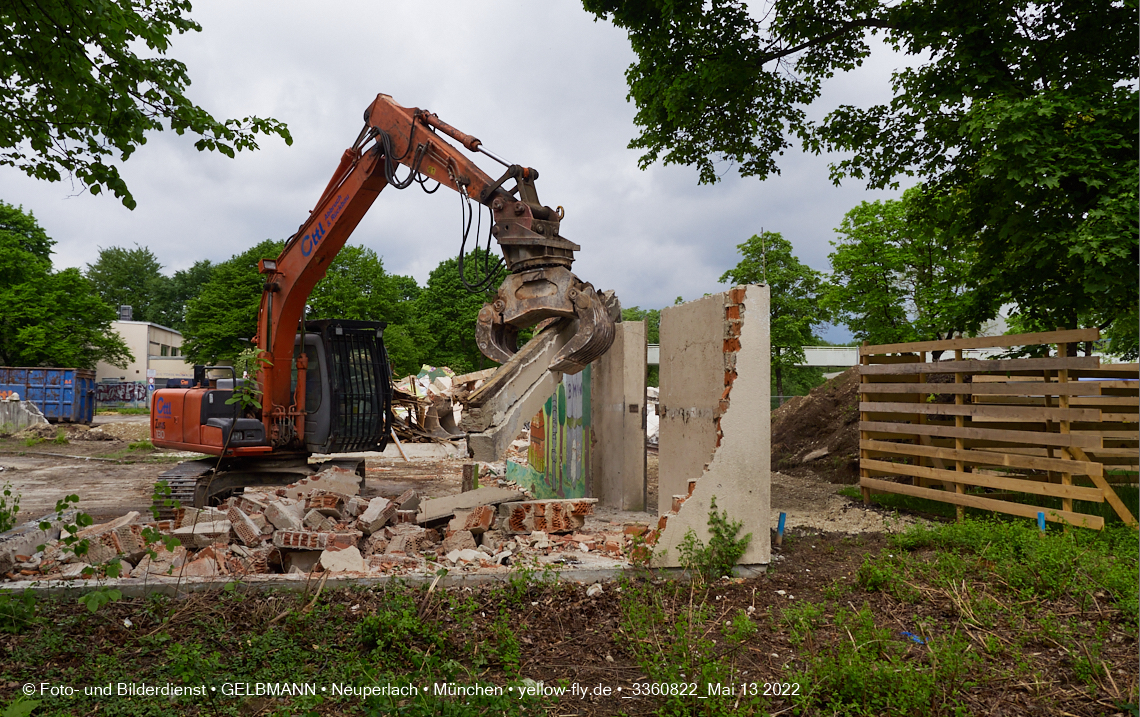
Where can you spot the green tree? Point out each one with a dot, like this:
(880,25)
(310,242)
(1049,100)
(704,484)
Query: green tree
(177,291)
(50,318)
(895,278)
(357,287)
(767,258)
(1019,118)
(224,313)
(84,82)
(446,313)
(130,277)
(652,319)
(222,319)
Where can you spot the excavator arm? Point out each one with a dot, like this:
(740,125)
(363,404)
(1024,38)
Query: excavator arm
(539,285)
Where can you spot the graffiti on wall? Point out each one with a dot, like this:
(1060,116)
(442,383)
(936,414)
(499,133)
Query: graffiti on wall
(560,435)
(126,392)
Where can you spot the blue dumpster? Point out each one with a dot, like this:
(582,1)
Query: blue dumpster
(62,394)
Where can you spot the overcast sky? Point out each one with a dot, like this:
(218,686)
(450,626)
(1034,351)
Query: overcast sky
(540,83)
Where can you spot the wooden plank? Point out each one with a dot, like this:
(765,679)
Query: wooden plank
(1018,388)
(985,458)
(985,342)
(1014,413)
(1109,492)
(1030,437)
(978,365)
(1101,402)
(974,501)
(1105,373)
(1055,490)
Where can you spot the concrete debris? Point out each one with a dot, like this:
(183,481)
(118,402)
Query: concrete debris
(440,508)
(348,560)
(554,516)
(317,527)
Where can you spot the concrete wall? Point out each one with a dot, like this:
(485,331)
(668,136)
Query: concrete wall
(692,380)
(561,440)
(715,420)
(619,420)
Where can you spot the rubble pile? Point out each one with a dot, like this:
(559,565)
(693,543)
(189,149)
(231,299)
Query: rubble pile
(321,524)
(428,406)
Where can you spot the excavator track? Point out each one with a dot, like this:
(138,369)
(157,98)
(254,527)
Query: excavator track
(196,483)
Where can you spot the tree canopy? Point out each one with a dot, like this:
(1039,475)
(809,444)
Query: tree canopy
(82,83)
(1019,118)
(768,258)
(222,318)
(129,277)
(895,278)
(223,315)
(50,318)
(446,311)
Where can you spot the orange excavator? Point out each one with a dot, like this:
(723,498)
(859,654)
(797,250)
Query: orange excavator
(325,385)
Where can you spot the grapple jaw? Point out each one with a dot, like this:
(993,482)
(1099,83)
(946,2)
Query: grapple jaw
(548,294)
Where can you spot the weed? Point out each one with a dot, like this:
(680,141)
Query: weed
(16,612)
(9,507)
(395,634)
(100,596)
(143,445)
(723,551)
(867,670)
(60,438)
(802,619)
(33,441)
(672,634)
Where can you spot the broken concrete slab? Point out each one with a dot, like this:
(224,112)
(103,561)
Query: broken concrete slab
(459,540)
(282,517)
(379,513)
(438,508)
(341,561)
(23,539)
(496,411)
(331,480)
(203,534)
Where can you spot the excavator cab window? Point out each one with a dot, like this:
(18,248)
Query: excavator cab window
(355,409)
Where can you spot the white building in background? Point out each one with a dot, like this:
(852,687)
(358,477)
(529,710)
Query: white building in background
(157,351)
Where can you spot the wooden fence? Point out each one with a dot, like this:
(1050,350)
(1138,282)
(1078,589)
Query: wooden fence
(976,432)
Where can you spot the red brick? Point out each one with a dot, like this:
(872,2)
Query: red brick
(731,345)
(480,520)
(736,296)
(635,530)
(732,311)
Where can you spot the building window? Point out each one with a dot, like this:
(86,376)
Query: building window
(173,350)
(165,350)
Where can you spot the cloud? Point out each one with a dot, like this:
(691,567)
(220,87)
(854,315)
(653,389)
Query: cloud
(541,84)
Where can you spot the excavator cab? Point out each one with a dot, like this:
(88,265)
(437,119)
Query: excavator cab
(348,386)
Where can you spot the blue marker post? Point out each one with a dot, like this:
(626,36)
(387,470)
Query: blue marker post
(1041,522)
(780,529)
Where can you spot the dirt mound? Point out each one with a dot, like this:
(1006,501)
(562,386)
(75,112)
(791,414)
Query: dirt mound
(819,432)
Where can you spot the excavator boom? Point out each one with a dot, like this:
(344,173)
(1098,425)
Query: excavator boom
(324,385)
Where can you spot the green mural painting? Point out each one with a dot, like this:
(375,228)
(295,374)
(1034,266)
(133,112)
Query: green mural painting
(560,437)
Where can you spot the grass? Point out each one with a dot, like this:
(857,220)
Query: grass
(122,411)
(944,620)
